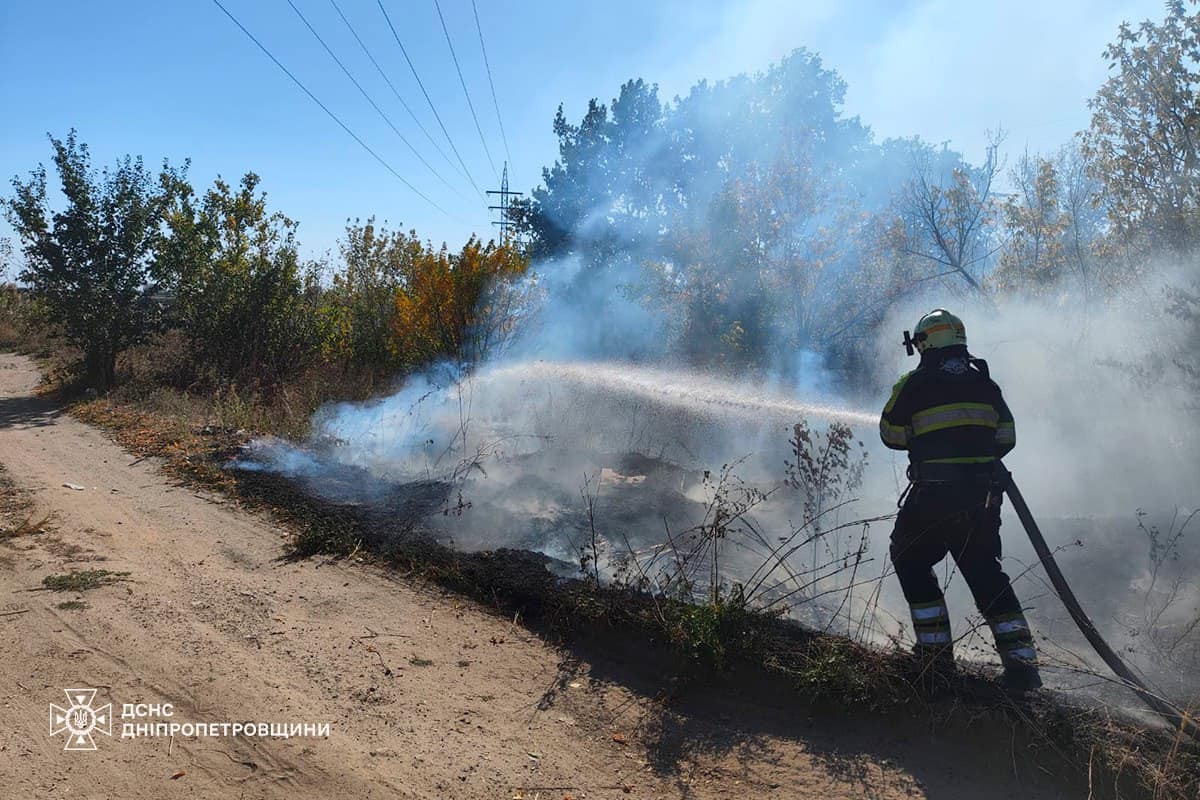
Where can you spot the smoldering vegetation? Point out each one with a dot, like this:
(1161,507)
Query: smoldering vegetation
(687,482)
(685,400)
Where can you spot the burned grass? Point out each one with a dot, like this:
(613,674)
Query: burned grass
(709,643)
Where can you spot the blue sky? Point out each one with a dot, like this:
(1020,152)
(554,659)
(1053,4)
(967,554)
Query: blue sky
(177,79)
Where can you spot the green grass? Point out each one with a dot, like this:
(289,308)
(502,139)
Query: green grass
(72,605)
(81,581)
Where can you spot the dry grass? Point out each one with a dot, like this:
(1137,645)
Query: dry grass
(30,525)
(161,376)
(17,518)
(197,434)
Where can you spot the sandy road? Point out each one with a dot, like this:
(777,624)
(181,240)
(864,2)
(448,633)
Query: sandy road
(426,695)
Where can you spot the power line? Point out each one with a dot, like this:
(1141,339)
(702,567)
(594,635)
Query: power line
(325,108)
(392,86)
(495,102)
(470,105)
(374,105)
(429,100)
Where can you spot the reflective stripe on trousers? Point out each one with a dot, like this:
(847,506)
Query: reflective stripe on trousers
(1014,640)
(931,622)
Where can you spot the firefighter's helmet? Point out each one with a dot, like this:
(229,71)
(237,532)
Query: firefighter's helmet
(939,328)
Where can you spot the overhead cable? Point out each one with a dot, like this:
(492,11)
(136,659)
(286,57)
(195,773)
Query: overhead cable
(467,94)
(491,83)
(331,115)
(428,99)
(367,96)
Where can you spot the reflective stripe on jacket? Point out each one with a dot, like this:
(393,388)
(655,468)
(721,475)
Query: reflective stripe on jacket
(947,411)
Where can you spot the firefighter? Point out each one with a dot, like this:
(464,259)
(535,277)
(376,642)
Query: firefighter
(951,418)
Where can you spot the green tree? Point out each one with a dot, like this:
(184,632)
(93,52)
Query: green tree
(1144,141)
(730,196)
(611,184)
(92,264)
(241,296)
(639,175)
(377,263)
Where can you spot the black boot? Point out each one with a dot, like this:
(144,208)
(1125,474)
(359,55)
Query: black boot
(1014,643)
(1020,676)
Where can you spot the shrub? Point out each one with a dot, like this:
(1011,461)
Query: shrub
(91,264)
(241,297)
(460,306)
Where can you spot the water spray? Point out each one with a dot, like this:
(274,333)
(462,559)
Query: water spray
(694,393)
(681,389)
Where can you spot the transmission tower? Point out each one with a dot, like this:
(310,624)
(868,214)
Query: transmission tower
(504,222)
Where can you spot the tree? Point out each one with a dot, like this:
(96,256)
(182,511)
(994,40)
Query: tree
(1035,254)
(634,177)
(1082,200)
(1052,225)
(92,264)
(1184,305)
(459,306)
(949,214)
(734,201)
(606,189)
(764,278)
(378,263)
(240,294)
(6,258)
(1144,141)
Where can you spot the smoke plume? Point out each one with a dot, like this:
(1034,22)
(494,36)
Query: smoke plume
(596,407)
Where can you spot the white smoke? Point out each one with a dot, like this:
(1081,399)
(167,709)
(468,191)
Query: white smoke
(588,400)
(1095,444)
(1102,438)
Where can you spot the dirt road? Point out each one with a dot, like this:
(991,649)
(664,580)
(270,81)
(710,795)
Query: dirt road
(425,695)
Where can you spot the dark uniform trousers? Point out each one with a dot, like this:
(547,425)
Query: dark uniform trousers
(960,520)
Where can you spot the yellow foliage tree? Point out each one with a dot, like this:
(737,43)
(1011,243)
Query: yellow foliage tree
(459,306)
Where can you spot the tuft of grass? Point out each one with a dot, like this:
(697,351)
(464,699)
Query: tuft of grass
(72,605)
(332,537)
(713,634)
(82,580)
(26,527)
(842,672)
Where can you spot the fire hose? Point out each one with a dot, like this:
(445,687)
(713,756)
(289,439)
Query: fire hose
(1176,716)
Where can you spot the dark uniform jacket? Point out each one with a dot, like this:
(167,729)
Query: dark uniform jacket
(948,411)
